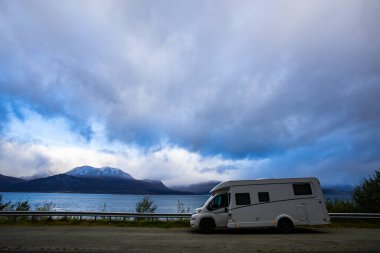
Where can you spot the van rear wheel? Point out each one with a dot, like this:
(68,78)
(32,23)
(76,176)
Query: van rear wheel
(285,226)
(207,226)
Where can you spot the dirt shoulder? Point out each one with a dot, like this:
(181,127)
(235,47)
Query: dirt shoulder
(138,239)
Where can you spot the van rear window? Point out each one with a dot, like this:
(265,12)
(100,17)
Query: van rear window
(242,199)
(302,189)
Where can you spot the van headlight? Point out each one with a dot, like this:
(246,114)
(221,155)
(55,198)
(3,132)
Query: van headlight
(197,211)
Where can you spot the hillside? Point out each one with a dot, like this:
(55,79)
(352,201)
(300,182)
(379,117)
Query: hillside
(6,181)
(87,179)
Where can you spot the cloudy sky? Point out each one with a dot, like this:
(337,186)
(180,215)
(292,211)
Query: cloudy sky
(191,91)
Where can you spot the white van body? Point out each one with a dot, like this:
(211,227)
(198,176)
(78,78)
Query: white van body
(281,203)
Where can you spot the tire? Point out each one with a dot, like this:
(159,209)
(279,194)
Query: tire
(285,226)
(207,226)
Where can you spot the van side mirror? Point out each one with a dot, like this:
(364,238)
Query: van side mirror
(209,207)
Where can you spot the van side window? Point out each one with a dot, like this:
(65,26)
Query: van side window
(263,196)
(302,189)
(242,199)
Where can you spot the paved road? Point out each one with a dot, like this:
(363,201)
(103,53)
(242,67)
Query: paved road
(127,239)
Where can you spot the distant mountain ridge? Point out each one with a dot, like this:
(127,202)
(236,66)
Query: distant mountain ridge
(87,179)
(200,188)
(108,185)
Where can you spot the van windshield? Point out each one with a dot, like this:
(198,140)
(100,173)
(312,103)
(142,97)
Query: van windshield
(208,200)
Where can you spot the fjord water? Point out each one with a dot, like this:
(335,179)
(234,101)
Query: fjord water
(105,202)
(115,202)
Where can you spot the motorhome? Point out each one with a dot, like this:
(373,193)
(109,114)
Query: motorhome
(280,203)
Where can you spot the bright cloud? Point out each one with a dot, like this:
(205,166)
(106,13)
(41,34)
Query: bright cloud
(35,145)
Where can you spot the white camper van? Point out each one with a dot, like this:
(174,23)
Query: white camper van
(280,203)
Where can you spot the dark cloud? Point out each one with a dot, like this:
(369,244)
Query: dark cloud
(249,79)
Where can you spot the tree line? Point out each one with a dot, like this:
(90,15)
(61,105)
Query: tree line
(365,198)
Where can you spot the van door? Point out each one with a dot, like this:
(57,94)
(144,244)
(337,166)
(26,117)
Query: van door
(302,213)
(219,207)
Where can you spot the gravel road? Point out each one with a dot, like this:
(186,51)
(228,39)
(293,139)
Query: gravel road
(128,239)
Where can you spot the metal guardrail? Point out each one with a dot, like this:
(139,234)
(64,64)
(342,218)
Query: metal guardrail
(166,216)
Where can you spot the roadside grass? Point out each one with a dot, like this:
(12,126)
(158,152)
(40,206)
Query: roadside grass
(184,223)
(99,222)
(353,223)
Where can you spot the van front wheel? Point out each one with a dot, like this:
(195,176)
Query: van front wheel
(285,226)
(207,226)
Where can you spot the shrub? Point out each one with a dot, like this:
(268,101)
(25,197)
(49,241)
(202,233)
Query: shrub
(366,196)
(5,206)
(340,206)
(180,207)
(22,205)
(104,208)
(45,207)
(146,205)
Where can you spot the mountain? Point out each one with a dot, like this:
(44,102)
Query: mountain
(6,181)
(39,175)
(338,188)
(114,185)
(200,188)
(88,179)
(88,171)
(338,191)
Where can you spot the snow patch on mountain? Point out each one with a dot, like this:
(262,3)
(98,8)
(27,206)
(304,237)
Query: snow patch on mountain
(88,171)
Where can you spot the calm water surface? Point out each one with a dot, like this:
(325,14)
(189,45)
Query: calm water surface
(114,202)
(109,202)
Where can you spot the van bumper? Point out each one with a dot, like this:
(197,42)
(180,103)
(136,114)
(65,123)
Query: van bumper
(231,224)
(194,221)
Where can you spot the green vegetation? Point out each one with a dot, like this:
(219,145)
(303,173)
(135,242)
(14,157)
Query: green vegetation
(181,207)
(5,206)
(367,195)
(45,207)
(340,206)
(99,222)
(18,206)
(104,208)
(24,206)
(365,198)
(352,223)
(146,205)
